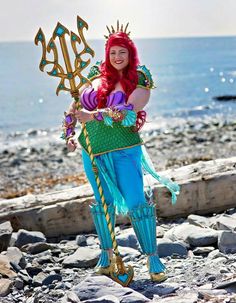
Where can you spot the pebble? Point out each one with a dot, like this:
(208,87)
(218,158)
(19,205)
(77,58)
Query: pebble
(201,272)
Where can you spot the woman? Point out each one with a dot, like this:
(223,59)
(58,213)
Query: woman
(113,113)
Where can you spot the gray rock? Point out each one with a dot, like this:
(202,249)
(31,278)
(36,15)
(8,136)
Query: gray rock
(26,237)
(214,254)
(13,239)
(91,241)
(205,238)
(36,248)
(166,248)
(15,256)
(198,221)
(193,235)
(160,232)
(45,259)
(70,297)
(81,240)
(83,257)
(190,297)
(94,287)
(18,283)
(129,252)
(161,289)
(23,275)
(226,222)
(210,293)
(128,239)
(5,235)
(203,250)
(216,264)
(104,299)
(33,269)
(227,242)
(51,278)
(229,286)
(39,278)
(5,287)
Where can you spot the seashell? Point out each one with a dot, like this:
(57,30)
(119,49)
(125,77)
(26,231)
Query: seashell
(130,118)
(88,99)
(108,120)
(115,98)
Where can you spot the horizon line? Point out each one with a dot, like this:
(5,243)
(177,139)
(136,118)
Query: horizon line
(140,38)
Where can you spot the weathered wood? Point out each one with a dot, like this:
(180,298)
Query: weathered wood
(206,187)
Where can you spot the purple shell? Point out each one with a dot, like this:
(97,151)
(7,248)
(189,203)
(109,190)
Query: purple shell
(68,119)
(69,131)
(89,99)
(115,98)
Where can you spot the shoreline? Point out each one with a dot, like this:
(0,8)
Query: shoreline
(37,161)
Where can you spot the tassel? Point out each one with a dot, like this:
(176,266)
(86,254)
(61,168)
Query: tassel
(104,260)
(155,264)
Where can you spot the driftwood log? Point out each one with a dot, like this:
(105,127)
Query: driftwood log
(206,187)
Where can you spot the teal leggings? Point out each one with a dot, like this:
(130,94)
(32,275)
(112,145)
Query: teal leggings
(129,177)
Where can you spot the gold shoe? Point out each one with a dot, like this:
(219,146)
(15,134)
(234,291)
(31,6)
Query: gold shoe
(158,277)
(103,271)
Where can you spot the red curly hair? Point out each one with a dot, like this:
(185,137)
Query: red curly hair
(110,76)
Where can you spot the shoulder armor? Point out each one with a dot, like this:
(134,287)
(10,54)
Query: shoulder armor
(144,77)
(94,71)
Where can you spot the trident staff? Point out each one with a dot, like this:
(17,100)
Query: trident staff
(119,273)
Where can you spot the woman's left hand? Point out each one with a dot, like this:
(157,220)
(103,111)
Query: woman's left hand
(83,117)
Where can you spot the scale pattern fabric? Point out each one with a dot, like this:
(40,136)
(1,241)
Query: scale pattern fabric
(104,138)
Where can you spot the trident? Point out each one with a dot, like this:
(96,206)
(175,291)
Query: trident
(119,272)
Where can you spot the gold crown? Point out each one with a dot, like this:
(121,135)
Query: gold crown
(119,28)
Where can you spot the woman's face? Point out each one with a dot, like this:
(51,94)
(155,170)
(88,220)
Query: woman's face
(119,57)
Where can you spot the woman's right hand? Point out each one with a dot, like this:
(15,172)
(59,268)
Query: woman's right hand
(75,94)
(71,145)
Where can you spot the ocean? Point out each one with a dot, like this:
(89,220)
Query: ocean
(188,73)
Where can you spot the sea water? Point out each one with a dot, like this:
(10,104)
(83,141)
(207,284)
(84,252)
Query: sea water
(188,74)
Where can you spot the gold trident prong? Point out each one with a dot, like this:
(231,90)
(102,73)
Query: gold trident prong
(72,70)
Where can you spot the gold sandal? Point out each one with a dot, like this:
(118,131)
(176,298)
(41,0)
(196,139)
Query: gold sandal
(157,277)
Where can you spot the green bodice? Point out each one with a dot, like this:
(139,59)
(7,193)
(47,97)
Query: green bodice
(104,138)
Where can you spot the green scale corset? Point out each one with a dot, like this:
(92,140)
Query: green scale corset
(105,138)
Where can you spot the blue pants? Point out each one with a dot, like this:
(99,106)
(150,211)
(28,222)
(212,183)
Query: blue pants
(129,177)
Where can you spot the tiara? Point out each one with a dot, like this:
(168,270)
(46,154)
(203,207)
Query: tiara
(119,28)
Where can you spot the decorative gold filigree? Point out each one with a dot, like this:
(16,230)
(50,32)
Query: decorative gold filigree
(79,64)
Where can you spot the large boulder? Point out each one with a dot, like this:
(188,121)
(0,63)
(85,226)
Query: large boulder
(227,242)
(25,237)
(5,235)
(192,235)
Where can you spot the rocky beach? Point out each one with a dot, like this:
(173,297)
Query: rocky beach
(37,161)
(198,251)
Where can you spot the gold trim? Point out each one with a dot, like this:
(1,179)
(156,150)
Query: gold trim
(108,151)
(141,86)
(94,77)
(149,86)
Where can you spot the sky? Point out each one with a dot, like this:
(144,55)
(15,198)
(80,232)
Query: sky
(20,20)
